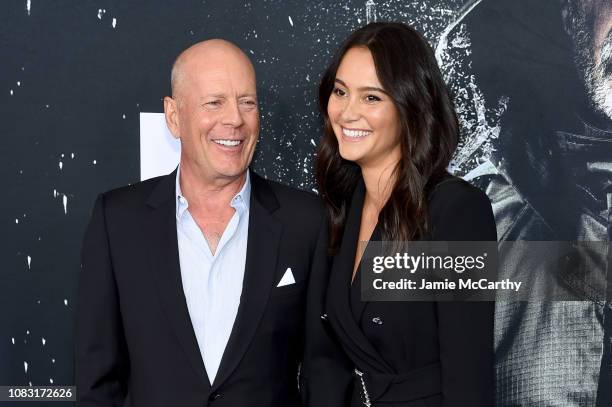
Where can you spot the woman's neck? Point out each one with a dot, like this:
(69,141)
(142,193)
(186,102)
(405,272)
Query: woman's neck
(379,183)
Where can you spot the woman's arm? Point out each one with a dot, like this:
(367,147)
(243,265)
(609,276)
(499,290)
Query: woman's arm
(460,212)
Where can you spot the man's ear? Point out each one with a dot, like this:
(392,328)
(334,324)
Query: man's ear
(171,114)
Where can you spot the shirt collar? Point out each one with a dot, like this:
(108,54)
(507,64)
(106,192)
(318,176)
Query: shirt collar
(240,201)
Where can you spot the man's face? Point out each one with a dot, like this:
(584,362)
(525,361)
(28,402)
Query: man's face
(217,118)
(589,23)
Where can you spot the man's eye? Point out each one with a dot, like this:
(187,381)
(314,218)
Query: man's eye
(249,102)
(339,92)
(372,98)
(213,103)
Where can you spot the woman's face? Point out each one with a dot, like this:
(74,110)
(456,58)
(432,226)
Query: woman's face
(362,115)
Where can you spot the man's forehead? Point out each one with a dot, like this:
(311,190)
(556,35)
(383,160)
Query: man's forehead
(217,66)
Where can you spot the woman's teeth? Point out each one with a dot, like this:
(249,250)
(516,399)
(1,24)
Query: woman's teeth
(355,133)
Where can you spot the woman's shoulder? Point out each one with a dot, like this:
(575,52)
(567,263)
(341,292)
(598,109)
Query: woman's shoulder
(455,205)
(452,189)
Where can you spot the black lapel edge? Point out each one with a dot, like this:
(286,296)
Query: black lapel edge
(261,261)
(165,264)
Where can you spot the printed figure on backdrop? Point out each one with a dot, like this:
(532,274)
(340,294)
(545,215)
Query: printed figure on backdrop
(193,285)
(549,178)
(390,130)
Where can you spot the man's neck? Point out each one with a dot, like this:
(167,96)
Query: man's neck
(212,195)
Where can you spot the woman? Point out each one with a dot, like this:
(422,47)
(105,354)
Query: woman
(390,132)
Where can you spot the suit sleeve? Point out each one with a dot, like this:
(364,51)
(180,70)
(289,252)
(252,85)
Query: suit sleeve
(101,359)
(466,328)
(326,372)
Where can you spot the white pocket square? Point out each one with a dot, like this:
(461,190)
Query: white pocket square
(287,278)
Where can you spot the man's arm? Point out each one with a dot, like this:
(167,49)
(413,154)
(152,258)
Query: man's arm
(101,358)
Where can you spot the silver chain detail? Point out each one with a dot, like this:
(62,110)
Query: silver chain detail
(366,395)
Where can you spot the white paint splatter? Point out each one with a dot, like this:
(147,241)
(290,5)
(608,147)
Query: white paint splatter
(61,165)
(370,11)
(114,23)
(51,380)
(54,193)
(94,162)
(28,332)
(307,78)
(65,302)
(25,366)
(44,341)
(52,360)
(62,155)
(313,142)
(72,155)
(16,220)
(18,83)
(65,202)
(123,117)
(100,13)
(29,262)
(290,21)
(47,106)
(13,340)
(28,6)
(11,92)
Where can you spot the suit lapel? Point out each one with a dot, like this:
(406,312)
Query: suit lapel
(262,252)
(338,294)
(164,256)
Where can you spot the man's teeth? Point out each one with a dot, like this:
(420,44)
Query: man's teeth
(228,143)
(355,133)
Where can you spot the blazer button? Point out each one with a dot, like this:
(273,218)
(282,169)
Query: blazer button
(214,396)
(377,320)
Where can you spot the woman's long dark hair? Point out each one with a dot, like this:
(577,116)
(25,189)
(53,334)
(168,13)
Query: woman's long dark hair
(408,71)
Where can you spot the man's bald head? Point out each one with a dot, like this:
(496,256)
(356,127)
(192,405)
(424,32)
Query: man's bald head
(213,52)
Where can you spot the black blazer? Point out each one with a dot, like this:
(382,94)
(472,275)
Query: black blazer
(411,353)
(135,345)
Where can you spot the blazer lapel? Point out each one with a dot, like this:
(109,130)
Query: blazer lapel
(360,306)
(338,294)
(164,256)
(262,250)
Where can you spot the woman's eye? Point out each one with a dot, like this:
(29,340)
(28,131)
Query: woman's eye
(372,98)
(339,92)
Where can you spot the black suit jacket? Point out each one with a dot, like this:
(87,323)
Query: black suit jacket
(135,344)
(411,353)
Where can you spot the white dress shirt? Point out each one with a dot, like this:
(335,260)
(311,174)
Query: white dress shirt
(213,282)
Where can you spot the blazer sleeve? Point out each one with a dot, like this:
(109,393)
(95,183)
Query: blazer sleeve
(101,359)
(463,213)
(326,372)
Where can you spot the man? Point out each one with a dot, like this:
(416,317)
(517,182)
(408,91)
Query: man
(549,179)
(193,284)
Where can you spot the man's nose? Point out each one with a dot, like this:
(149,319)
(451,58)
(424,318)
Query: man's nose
(233,115)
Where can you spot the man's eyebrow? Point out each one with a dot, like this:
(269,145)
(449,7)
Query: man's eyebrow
(213,95)
(363,88)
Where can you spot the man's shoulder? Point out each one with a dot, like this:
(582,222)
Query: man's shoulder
(134,195)
(294,199)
